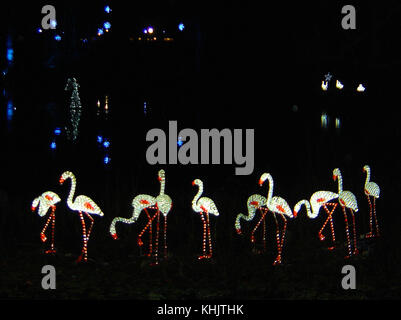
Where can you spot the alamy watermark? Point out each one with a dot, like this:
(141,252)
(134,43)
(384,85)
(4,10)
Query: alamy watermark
(49,280)
(348,281)
(188,153)
(49,20)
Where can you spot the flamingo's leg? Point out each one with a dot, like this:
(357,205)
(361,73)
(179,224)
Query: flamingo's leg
(90,228)
(370,234)
(53,216)
(140,243)
(264,232)
(257,226)
(280,250)
(204,237)
(157,238)
(354,230)
(321,236)
(85,240)
(347,231)
(150,233)
(165,237)
(374,212)
(209,236)
(277,240)
(330,217)
(42,233)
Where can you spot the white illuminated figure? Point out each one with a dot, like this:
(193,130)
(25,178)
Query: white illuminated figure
(46,201)
(82,204)
(75,109)
(280,206)
(205,206)
(320,199)
(347,200)
(360,88)
(325,85)
(339,85)
(162,203)
(371,189)
(255,202)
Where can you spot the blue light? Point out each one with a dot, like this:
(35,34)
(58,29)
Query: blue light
(145,30)
(107,25)
(107,9)
(57,37)
(57,131)
(53,24)
(106,160)
(99,139)
(39,30)
(10,110)
(10,54)
(106,144)
(180,142)
(100,32)
(53,145)
(181,27)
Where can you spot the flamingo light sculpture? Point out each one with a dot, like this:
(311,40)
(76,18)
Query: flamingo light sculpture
(280,206)
(205,206)
(255,202)
(371,189)
(162,203)
(82,204)
(318,200)
(46,201)
(347,200)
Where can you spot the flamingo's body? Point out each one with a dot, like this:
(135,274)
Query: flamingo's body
(162,203)
(277,205)
(255,202)
(205,206)
(46,201)
(371,189)
(320,199)
(347,200)
(82,204)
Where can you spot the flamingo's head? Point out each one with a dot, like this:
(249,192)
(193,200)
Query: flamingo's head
(196,182)
(35,203)
(239,231)
(161,175)
(366,168)
(263,178)
(114,236)
(65,176)
(295,213)
(336,173)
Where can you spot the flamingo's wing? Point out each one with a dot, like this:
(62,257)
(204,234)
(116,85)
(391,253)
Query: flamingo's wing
(209,205)
(86,204)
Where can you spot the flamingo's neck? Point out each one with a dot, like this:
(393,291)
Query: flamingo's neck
(271,184)
(197,196)
(308,208)
(162,185)
(367,176)
(340,183)
(72,192)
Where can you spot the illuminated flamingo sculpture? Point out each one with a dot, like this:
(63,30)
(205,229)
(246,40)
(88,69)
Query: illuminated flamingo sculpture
(205,206)
(162,203)
(347,200)
(280,206)
(255,202)
(318,200)
(46,201)
(371,189)
(81,204)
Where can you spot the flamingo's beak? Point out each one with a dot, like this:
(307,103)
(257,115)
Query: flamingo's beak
(159,178)
(295,214)
(33,208)
(260,182)
(114,235)
(193,182)
(334,177)
(61,180)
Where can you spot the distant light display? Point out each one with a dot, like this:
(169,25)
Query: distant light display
(204,206)
(339,85)
(53,145)
(106,160)
(107,25)
(107,9)
(39,30)
(75,109)
(277,205)
(324,85)
(100,32)
(360,88)
(46,201)
(10,54)
(57,37)
(82,204)
(106,144)
(57,131)
(371,189)
(180,142)
(150,30)
(347,199)
(181,27)
(99,139)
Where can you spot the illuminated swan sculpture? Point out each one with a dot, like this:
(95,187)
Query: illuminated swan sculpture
(82,204)
(255,202)
(318,200)
(205,206)
(280,206)
(46,201)
(162,203)
(347,200)
(371,189)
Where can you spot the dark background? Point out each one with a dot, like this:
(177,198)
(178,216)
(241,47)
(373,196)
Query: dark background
(236,65)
